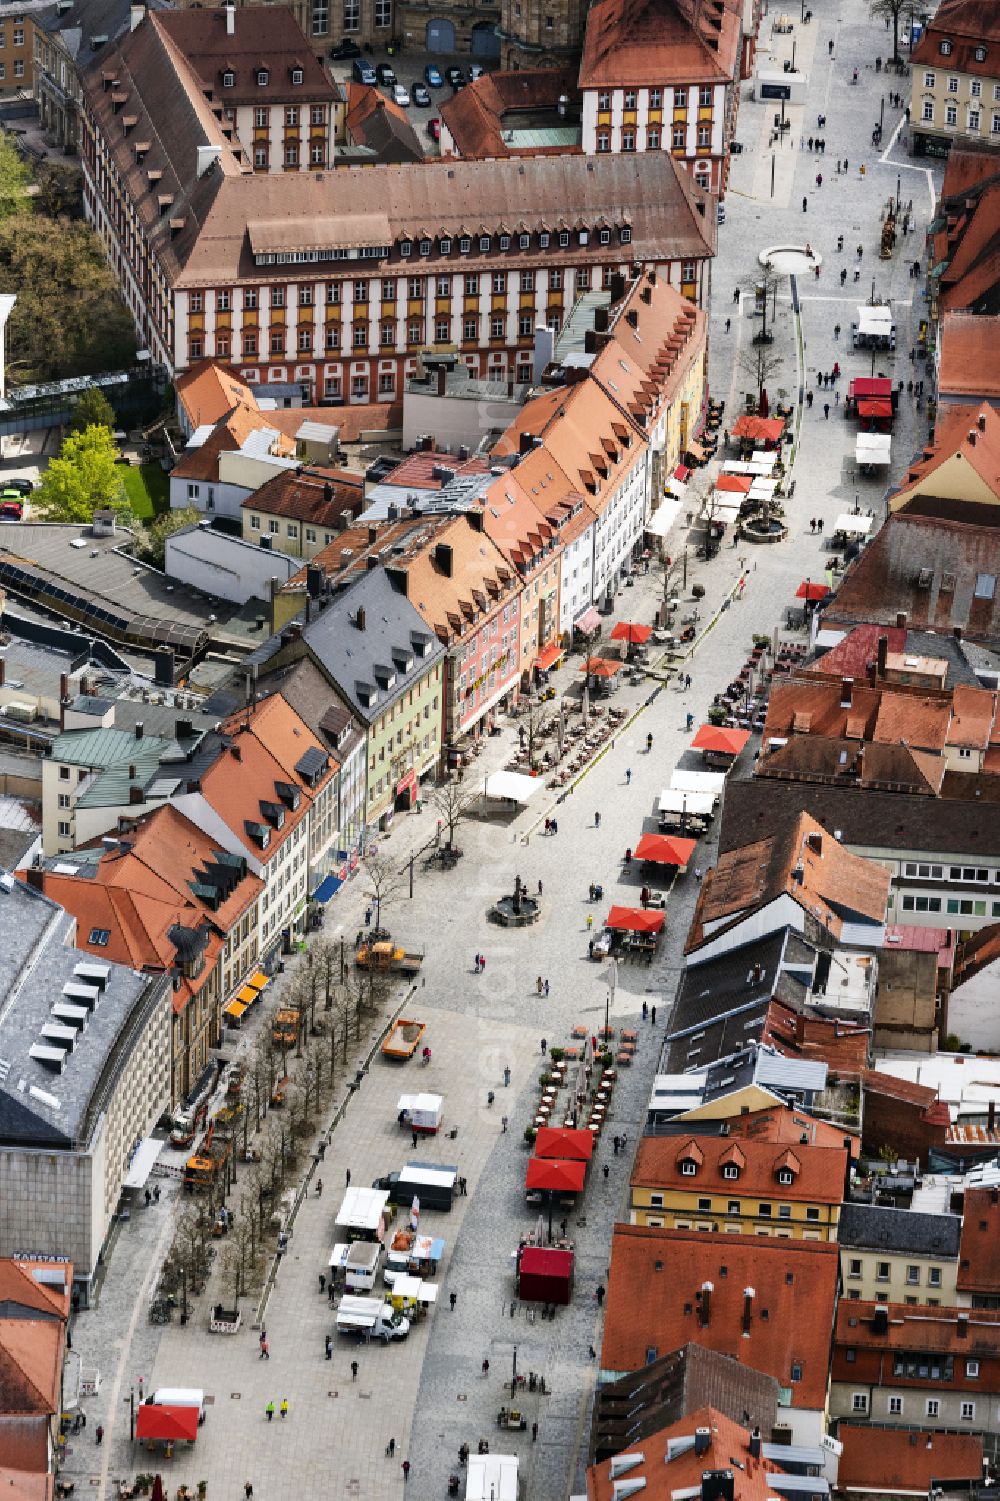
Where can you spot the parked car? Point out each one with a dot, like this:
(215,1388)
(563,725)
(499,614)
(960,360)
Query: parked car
(421,95)
(400,96)
(455,77)
(363,72)
(22,486)
(476,70)
(434,128)
(345,51)
(385,74)
(432,77)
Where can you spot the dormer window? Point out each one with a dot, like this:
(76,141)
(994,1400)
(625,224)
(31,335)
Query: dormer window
(262,78)
(229,79)
(405,247)
(946,49)
(425,247)
(730,1170)
(980,54)
(786,1176)
(584,236)
(605,237)
(298,77)
(445,246)
(689,1167)
(626,235)
(523,242)
(484,243)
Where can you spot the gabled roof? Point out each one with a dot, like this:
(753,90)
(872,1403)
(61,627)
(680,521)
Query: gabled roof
(969,362)
(814,758)
(805,863)
(375,121)
(970,436)
(870,1227)
(456,581)
(201,461)
(265,41)
(817,1172)
(39,1287)
(967,24)
(918,722)
(956,1331)
(31,1357)
(902,1462)
(656,1301)
(208,391)
(316,496)
(473,116)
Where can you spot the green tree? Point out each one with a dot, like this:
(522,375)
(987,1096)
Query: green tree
(14,179)
(93,410)
(68,319)
(151,540)
(82,479)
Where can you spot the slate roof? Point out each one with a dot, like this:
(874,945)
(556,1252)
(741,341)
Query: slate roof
(38,945)
(868,1227)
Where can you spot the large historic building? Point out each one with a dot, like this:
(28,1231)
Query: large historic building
(341,280)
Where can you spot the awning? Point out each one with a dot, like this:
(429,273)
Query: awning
(327,888)
(247,995)
(808,590)
(601,667)
(589,621)
(713,737)
(725,511)
(663,518)
(872,448)
(259,980)
(661,849)
(566,1142)
(512,785)
(235,1009)
(876,321)
(759,429)
(873,406)
(635,635)
(681,473)
(635,920)
(698,781)
(738,484)
(143,1161)
(853,526)
(156,1420)
(700,804)
(675,487)
(555,1174)
(870,385)
(549,656)
(762,487)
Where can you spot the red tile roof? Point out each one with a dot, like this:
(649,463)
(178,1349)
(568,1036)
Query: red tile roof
(208,391)
(417,470)
(656,1300)
(21,1287)
(474,116)
(666,1473)
(31,1360)
(660,42)
(228,435)
(904,1462)
(845,1049)
(781,1123)
(966,24)
(818,1172)
(315,496)
(855,654)
(920,723)
(972,1331)
(970,356)
(979,1263)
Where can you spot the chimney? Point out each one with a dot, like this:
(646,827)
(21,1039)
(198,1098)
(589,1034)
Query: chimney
(748,1297)
(815,842)
(882,657)
(314,580)
(702,1441)
(754,1445)
(136,16)
(444,558)
(846,692)
(139,731)
(359,619)
(372,535)
(901,620)
(136,795)
(718,1485)
(707,1289)
(991,1115)
(601,320)
(981,420)
(972,437)
(184,729)
(798,873)
(230,20)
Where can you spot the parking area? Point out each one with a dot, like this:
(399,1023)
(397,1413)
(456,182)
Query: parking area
(410,70)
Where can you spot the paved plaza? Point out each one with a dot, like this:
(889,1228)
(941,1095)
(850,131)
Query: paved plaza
(429,1393)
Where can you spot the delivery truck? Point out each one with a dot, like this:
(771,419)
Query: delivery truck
(370,1318)
(433,1183)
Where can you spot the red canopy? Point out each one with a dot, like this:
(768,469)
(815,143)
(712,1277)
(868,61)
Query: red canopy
(635,920)
(154,1420)
(555,1174)
(600,667)
(635,635)
(712,737)
(549,655)
(738,483)
(545,1275)
(870,385)
(661,849)
(807,590)
(681,472)
(564,1142)
(759,429)
(875,407)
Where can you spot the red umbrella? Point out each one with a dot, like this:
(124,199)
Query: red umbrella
(662,849)
(557,1175)
(807,590)
(635,635)
(635,920)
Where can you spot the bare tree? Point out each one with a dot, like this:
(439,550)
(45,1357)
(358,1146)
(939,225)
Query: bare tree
(329,961)
(761,363)
(385,880)
(892,12)
(763,285)
(453,804)
(530,734)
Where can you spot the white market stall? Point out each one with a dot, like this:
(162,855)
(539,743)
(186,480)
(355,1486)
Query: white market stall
(422,1112)
(712,783)
(492,1477)
(663,518)
(511,787)
(872,450)
(853,525)
(674,800)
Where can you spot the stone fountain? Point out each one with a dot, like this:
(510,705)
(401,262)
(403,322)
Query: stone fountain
(517,909)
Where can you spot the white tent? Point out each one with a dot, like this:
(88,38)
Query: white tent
(875,321)
(724,508)
(491,1477)
(763,456)
(748,466)
(362,1208)
(512,785)
(699,781)
(673,800)
(872,448)
(423,1110)
(663,518)
(414,1289)
(854,526)
(762,489)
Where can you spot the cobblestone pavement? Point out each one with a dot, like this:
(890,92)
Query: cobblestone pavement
(429,1393)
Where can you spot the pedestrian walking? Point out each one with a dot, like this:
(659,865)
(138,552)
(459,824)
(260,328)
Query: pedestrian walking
(546,990)
(687,680)
(486,1366)
(729,323)
(826,410)
(263,1337)
(861,252)
(99,1434)
(406,1470)
(810,143)
(599,1294)
(607,1170)
(506,1076)
(283,1409)
(819,179)
(453,1299)
(652,1016)
(322,1282)
(248,1491)
(736,294)
(538,987)
(697,873)
(645,1010)
(390,1447)
(809,398)
(836,326)
(836,399)
(347,1177)
(319,1188)
(829,47)
(265,1350)
(414,1138)
(490,1097)
(805,204)
(597,820)
(628,776)
(354,1370)
(534,1432)
(368,917)
(329,1347)
(503,1122)
(269,1409)
(545,1047)
(539,888)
